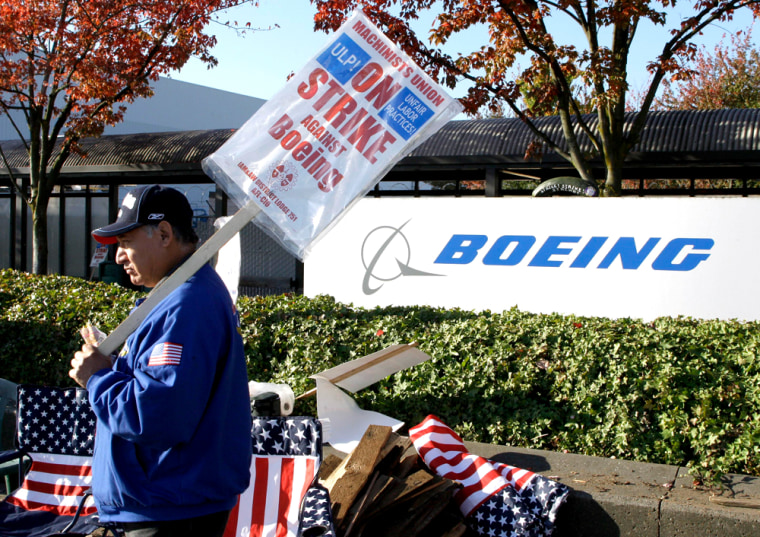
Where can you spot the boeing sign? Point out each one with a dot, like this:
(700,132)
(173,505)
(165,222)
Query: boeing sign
(546,255)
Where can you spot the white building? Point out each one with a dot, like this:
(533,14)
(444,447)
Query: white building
(175,106)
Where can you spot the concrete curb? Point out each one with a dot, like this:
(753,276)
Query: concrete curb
(612,497)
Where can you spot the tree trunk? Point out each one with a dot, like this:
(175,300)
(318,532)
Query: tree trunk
(39,206)
(614,159)
(615,151)
(613,182)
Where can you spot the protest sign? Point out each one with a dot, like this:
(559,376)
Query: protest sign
(100,255)
(316,147)
(330,134)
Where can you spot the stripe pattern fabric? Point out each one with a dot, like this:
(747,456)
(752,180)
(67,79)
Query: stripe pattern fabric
(287,453)
(55,483)
(494,498)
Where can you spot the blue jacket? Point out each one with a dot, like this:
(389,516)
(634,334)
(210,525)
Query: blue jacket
(174,423)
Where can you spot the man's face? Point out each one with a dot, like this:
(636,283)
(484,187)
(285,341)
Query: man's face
(141,254)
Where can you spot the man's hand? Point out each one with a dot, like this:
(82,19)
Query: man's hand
(86,362)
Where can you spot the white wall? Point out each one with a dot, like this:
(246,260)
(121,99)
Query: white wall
(181,106)
(617,257)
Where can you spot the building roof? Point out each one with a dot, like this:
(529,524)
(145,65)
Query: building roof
(708,140)
(697,131)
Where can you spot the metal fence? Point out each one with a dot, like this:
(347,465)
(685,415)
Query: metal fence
(266,267)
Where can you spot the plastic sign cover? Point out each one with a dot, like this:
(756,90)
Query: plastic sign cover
(330,134)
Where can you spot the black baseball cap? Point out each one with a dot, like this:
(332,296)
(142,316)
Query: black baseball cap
(148,205)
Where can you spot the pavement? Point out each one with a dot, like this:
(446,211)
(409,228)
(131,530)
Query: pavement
(612,497)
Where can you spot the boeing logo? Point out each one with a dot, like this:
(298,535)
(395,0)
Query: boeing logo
(679,254)
(386,255)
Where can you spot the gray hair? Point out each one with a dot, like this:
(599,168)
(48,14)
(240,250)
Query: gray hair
(187,236)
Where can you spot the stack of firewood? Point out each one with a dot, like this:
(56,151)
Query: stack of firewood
(383,488)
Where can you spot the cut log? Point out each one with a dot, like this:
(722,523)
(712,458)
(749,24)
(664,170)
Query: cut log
(382,488)
(346,482)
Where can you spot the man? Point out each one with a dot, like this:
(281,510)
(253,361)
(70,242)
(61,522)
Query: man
(173,445)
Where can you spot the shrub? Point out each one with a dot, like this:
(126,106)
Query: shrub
(40,321)
(676,391)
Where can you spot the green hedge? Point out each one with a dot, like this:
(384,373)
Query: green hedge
(675,391)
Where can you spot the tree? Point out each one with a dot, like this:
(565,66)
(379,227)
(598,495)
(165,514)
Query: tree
(520,40)
(70,65)
(727,78)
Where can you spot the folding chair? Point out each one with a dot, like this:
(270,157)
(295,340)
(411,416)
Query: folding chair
(284,498)
(7,412)
(9,469)
(56,429)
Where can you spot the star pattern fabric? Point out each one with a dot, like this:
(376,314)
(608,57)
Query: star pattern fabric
(316,515)
(295,436)
(55,420)
(497,500)
(56,428)
(287,452)
(527,512)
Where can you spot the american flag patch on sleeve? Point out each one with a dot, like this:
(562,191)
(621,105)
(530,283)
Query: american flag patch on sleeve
(165,354)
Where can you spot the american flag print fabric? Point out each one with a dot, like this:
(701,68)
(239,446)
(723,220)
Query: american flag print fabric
(316,513)
(496,499)
(287,452)
(165,354)
(55,483)
(56,427)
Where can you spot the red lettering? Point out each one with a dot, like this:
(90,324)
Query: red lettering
(302,151)
(290,140)
(364,79)
(327,186)
(383,92)
(364,132)
(340,110)
(353,122)
(306,163)
(379,146)
(333,89)
(280,127)
(315,77)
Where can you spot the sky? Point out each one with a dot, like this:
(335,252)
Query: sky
(257,64)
